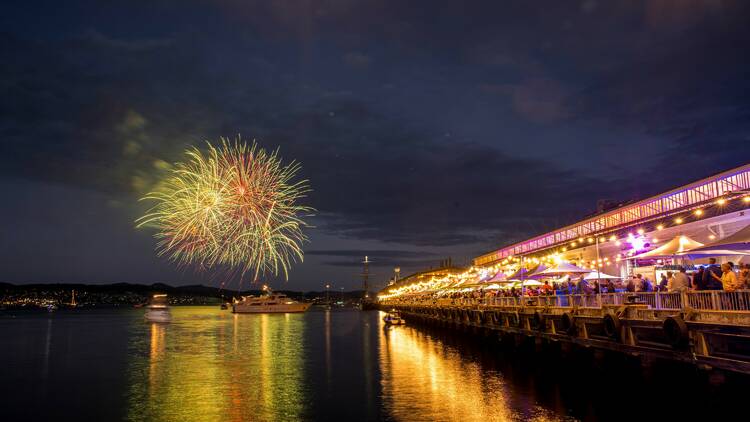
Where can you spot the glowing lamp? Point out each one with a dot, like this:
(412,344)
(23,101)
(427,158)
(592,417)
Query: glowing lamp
(721,201)
(640,232)
(698,212)
(660,227)
(678,220)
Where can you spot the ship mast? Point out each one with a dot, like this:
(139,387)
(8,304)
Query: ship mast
(366,277)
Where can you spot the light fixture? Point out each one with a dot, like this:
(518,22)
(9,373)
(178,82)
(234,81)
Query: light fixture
(602,239)
(612,238)
(590,240)
(746,199)
(721,201)
(573,245)
(655,240)
(698,212)
(660,227)
(711,236)
(678,220)
(618,243)
(640,231)
(580,239)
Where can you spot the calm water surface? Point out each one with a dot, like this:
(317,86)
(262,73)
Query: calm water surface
(211,365)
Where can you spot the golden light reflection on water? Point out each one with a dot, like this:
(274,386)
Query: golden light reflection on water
(194,370)
(424,380)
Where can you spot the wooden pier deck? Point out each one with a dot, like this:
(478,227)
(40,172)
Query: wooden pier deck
(710,329)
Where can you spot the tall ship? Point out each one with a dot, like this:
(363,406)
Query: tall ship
(270,302)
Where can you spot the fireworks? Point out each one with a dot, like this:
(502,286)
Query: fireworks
(230,207)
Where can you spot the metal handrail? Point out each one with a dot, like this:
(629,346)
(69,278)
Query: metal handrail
(713,300)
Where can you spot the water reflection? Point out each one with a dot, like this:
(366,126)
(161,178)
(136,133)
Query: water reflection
(423,379)
(196,370)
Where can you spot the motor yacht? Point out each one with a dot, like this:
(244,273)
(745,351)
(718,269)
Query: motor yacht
(270,302)
(158,309)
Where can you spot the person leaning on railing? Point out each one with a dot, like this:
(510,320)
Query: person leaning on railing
(729,278)
(744,276)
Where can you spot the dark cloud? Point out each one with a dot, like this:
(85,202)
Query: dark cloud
(421,126)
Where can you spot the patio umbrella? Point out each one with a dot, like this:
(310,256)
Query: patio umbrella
(670,249)
(564,268)
(599,276)
(531,283)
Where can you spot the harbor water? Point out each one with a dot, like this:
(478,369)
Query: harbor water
(212,365)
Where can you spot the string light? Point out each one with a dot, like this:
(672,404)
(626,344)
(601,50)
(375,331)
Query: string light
(698,212)
(612,238)
(746,199)
(678,220)
(712,237)
(660,227)
(590,240)
(640,232)
(721,201)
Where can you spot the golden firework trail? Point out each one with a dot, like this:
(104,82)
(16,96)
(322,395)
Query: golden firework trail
(235,206)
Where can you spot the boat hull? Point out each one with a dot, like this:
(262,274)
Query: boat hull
(158,315)
(240,308)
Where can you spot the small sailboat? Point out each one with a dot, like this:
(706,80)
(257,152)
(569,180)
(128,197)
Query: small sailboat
(393,318)
(158,309)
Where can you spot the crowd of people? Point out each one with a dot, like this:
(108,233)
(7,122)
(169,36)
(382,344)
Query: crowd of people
(727,277)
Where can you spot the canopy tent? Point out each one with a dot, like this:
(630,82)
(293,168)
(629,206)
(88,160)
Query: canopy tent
(499,277)
(531,283)
(674,247)
(511,284)
(736,244)
(564,268)
(521,273)
(599,276)
(537,271)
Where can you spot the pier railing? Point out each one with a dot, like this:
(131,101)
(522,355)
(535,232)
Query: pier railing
(701,300)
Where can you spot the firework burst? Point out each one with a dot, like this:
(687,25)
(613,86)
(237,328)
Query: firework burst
(235,206)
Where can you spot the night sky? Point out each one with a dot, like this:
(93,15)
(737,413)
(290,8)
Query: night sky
(427,129)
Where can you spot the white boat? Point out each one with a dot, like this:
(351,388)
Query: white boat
(158,309)
(393,318)
(268,303)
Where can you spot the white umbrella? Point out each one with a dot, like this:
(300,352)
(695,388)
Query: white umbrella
(528,283)
(564,268)
(599,276)
(677,246)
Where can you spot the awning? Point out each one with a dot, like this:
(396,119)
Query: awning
(736,244)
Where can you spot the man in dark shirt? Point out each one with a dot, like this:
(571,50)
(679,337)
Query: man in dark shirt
(709,281)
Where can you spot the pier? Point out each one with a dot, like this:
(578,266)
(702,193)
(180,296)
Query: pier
(708,329)
(610,281)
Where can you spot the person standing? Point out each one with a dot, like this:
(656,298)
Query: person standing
(712,276)
(745,276)
(663,283)
(698,280)
(680,281)
(729,278)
